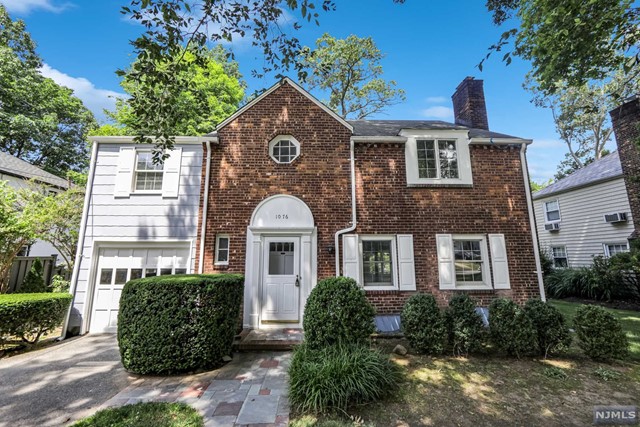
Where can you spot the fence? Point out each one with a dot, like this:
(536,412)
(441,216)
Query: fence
(22,265)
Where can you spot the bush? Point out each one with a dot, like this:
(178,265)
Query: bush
(337,376)
(157,414)
(464,325)
(552,332)
(567,282)
(423,324)
(170,324)
(600,334)
(510,329)
(33,281)
(337,311)
(29,316)
(59,284)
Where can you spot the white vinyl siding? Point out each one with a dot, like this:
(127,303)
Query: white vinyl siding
(148,218)
(583,230)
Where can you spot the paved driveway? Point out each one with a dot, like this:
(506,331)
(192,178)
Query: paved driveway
(68,380)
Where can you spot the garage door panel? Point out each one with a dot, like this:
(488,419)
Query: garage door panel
(104,300)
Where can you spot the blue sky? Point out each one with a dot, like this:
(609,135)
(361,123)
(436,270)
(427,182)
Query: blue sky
(430,47)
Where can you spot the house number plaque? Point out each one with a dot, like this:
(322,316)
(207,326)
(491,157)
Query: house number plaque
(282,216)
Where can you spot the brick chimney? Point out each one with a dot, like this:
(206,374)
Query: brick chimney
(469,107)
(626,126)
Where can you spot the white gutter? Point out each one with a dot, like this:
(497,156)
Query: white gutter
(179,140)
(532,220)
(205,206)
(353,206)
(83,231)
(379,139)
(500,141)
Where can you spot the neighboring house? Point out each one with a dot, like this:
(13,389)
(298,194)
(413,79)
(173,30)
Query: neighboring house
(287,192)
(584,215)
(17,173)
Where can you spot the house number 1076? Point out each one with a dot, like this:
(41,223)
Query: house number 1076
(282,216)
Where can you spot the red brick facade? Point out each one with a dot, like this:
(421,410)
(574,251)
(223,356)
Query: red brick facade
(243,174)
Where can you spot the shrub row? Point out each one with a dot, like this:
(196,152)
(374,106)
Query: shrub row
(28,316)
(169,324)
(537,328)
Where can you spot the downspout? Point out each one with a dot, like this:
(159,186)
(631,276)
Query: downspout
(205,208)
(532,221)
(353,207)
(83,231)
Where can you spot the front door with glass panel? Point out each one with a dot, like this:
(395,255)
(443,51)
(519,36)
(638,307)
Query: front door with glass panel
(281,283)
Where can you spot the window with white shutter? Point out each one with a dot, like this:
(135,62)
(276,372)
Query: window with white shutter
(499,261)
(463,261)
(138,174)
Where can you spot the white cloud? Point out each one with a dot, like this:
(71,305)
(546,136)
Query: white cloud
(436,99)
(94,99)
(438,112)
(26,6)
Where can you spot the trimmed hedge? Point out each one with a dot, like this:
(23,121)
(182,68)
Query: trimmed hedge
(338,376)
(600,334)
(552,332)
(423,324)
(337,311)
(29,316)
(170,324)
(510,329)
(465,329)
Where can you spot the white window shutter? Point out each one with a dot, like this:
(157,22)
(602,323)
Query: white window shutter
(446,266)
(406,265)
(171,178)
(499,262)
(124,175)
(351,256)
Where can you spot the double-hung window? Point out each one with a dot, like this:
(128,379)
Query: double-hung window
(559,255)
(222,250)
(148,175)
(377,262)
(437,158)
(552,211)
(611,249)
(470,260)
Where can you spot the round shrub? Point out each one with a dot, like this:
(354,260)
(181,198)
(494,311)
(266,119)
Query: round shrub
(169,324)
(423,324)
(464,325)
(552,332)
(29,316)
(337,311)
(510,329)
(600,334)
(337,376)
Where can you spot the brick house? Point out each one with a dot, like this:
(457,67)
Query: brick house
(290,193)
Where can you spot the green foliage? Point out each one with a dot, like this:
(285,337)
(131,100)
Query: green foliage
(40,121)
(555,373)
(337,311)
(423,324)
(464,325)
(546,262)
(574,40)
(29,316)
(169,324)
(510,329)
(210,95)
(33,282)
(144,414)
(335,377)
(349,70)
(552,332)
(59,284)
(606,374)
(600,334)
(537,186)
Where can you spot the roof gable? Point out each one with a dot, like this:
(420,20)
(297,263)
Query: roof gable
(17,167)
(266,93)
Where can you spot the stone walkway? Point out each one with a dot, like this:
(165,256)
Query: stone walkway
(251,391)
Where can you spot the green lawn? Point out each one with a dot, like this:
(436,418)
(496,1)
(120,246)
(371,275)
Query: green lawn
(152,414)
(630,323)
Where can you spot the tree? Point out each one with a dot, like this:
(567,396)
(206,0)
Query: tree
(574,41)
(537,186)
(349,69)
(172,25)
(40,121)
(213,92)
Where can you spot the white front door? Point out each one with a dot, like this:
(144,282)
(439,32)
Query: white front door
(117,266)
(281,280)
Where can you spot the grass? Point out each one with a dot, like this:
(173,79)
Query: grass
(630,321)
(156,414)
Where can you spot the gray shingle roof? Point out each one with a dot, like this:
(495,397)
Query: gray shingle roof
(605,168)
(393,128)
(14,166)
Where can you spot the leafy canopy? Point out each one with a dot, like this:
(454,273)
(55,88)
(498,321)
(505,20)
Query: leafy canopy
(214,90)
(349,69)
(40,121)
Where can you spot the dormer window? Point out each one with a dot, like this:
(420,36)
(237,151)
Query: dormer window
(284,149)
(437,158)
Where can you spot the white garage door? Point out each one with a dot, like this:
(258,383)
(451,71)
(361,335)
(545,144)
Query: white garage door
(117,266)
